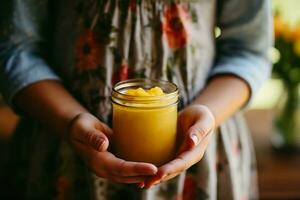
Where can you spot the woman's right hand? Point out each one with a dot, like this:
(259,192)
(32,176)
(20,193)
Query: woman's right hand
(89,138)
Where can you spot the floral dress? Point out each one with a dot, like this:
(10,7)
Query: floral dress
(89,45)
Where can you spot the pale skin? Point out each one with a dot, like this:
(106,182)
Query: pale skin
(49,102)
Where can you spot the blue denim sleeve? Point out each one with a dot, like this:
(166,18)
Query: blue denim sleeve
(245,40)
(22,46)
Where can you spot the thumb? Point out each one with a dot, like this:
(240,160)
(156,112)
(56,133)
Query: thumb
(195,135)
(94,138)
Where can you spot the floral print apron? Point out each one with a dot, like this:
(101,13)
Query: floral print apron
(100,42)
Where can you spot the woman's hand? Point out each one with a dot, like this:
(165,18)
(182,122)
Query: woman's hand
(195,123)
(89,137)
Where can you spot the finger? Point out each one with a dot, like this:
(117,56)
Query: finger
(163,179)
(90,156)
(106,165)
(128,179)
(178,165)
(170,177)
(93,159)
(93,138)
(124,168)
(174,167)
(197,133)
(87,153)
(104,128)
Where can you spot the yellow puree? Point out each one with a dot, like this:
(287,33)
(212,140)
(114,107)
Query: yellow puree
(145,134)
(155,91)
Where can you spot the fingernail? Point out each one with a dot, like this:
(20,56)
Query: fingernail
(99,144)
(152,169)
(141,185)
(156,182)
(194,138)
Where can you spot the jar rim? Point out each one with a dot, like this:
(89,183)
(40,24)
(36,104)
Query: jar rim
(141,80)
(169,98)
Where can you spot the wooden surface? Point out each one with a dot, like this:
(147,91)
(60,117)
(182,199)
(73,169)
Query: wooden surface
(279,175)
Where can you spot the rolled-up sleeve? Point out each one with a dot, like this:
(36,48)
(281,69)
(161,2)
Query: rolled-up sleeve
(245,40)
(22,46)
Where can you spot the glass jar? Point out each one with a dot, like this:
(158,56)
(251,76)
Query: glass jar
(145,126)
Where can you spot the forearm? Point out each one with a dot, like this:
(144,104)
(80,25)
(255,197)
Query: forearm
(224,95)
(50,103)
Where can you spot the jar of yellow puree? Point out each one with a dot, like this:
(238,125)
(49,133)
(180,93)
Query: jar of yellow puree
(145,120)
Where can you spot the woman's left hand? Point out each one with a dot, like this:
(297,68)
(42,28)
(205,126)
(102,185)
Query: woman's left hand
(195,123)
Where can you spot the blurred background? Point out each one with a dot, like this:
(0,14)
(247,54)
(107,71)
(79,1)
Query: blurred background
(274,117)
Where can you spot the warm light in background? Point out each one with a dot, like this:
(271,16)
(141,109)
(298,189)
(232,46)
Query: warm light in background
(272,90)
(289,10)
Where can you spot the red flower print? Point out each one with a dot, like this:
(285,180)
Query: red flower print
(132,5)
(63,185)
(244,197)
(176,26)
(88,51)
(190,187)
(236,149)
(121,74)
